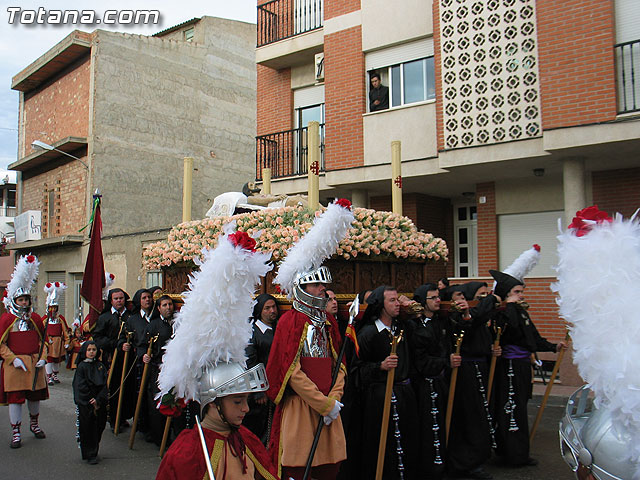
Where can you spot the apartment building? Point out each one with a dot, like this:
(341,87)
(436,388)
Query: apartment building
(119,112)
(512,114)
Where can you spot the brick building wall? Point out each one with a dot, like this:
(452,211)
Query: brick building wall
(345,99)
(275,101)
(68,183)
(335,8)
(59,108)
(576,62)
(617,190)
(487,227)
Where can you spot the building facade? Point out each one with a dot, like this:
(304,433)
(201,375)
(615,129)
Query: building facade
(121,112)
(512,114)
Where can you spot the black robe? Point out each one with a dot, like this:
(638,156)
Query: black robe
(431,349)
(90,381)
(375,346)
(258,419)
(470,435)
(518,329)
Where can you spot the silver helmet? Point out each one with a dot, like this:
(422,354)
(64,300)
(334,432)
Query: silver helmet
(304,301)
(16,309)
(229,379)
(590,443)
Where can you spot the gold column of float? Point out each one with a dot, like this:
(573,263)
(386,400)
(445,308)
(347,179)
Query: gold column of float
(186,189)
(266,181)
(396,178)
(313,162)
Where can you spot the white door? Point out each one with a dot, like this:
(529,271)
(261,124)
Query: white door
(465,225)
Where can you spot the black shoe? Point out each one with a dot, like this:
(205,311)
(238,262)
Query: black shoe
(531,462)
(93,461)
(479,474)
(17,444)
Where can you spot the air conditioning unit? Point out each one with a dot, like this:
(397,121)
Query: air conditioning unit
(319,67)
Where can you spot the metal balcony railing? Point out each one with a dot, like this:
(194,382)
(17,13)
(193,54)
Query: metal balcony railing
(280,19)
(285,153)
(628,76)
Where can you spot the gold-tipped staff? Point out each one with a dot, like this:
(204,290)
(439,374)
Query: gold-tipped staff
(113,360)
(452,389)
(547,392)
(143,384)
(492,367)
(116,429)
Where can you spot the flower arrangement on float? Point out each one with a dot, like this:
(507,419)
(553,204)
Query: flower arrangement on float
(374,234)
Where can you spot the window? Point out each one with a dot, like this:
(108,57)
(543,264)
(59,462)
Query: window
(11,200)
(465,228)
(154,279)
(410,82)
(188,35)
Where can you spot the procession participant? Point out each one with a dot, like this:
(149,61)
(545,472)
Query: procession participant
(160,328)
(265,317)
(304,356)
(135,342)
(23,352)
(433,360)
(520,338)
(90,395)
(74,345)
(106,335)
(379,324)
(204,362)
(471,435)
(58,340)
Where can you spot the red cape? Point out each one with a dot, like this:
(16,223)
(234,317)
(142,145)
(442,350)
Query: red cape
(185,460)
(8,319)
(284,356)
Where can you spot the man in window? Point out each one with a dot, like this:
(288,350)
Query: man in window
(378,94)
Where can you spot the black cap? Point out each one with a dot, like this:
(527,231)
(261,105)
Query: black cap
(504,283)
(420,295)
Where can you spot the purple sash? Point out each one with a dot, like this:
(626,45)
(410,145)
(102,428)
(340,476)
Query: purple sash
(513,352)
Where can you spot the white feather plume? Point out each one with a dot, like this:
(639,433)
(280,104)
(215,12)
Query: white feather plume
(24,276)
(54,290)
(109,278)
(526,262)
(598,278)
(213,325)
(319,243)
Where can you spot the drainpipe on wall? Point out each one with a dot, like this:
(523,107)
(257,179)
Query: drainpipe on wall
(186,189)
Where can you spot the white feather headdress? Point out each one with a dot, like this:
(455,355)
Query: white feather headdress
(319,243)
(214,323)
(23,277)
(526,262)
(108,281)
(53,291)
(598,278)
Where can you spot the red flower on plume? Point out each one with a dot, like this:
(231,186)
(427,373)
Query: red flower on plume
(174,410)
(31,258)
(593,215)
(537,247)
(112,276)
(48,285)
(278,289)
(343,202)
(57,284)
(243,240)
(5,294)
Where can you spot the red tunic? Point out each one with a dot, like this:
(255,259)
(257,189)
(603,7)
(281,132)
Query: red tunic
(185,459)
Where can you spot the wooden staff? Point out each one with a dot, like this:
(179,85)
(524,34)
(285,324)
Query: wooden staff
(492,367)
(116,430)
(143,383)
(165,435)
(36,370)
(382,446)
(452,389)
(113,360)
(547,392)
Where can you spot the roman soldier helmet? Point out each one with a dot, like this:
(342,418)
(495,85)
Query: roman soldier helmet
(303,263)
(22,280)
(205,359)
(514,274)
(598,277)
(54,290)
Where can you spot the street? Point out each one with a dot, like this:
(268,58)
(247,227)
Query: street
(58,456)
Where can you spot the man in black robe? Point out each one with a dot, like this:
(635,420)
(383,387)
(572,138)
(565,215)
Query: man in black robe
(519,340)
(135,343)
(160,328)
(433,360)
(105,334)
(265,317)
(379,324)
(471,432)
(378,94)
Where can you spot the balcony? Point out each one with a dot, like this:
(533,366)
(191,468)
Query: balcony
(280,19)
(285,153)
(628,76)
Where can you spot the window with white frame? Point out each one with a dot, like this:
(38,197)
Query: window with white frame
(407,69)
(154,279)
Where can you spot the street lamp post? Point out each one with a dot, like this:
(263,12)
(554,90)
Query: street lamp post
(46,146)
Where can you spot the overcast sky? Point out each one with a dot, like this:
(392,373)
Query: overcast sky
(22,44)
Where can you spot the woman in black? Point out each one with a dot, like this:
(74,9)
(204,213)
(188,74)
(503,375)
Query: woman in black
(90,395)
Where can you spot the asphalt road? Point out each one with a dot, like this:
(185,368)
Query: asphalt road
(58,456)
